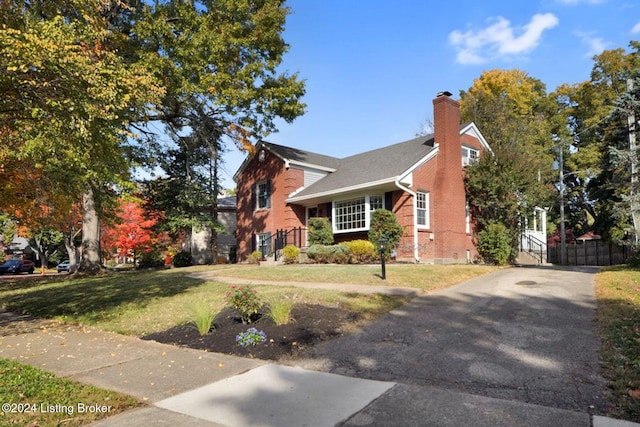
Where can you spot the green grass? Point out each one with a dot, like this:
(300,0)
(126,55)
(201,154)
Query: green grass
(424,277)
(138,303)
(618,316)
(46,400)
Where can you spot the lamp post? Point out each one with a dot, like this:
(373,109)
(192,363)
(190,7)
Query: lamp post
(382,241)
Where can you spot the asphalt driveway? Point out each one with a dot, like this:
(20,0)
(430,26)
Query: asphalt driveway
(521,334)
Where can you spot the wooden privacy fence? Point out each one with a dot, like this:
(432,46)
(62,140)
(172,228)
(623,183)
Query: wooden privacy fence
(591,252)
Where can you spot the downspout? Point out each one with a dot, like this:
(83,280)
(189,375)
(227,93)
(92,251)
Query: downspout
(416,255)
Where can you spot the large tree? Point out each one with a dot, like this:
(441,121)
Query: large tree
(220,61)
(86,78)
(512,110)
(598,157)
(68,98)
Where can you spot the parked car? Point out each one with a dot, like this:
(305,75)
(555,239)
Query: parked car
(64,266)
(16,266)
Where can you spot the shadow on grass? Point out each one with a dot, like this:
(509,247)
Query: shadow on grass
(92,297)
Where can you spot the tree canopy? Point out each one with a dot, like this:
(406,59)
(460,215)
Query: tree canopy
(513,111)
(83,80)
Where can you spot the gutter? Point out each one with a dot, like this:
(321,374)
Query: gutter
(416,255)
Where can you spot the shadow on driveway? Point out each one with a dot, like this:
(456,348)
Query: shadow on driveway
(518,334)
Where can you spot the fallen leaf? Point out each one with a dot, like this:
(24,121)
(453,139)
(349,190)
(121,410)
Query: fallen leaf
(220,365)
(635,394)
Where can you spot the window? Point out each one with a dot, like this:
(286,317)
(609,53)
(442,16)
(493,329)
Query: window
(422,209)
(351,214)
(355,214)
(469,156)
(263,191)
(376,202)
(264,243)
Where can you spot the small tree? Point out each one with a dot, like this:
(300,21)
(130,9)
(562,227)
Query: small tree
(320,232)
(494,244)
(385,225)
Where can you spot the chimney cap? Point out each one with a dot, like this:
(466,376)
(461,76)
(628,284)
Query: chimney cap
(444,93)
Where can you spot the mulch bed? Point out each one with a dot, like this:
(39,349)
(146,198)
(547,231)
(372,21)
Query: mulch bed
(311,325)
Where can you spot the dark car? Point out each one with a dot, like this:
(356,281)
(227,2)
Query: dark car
(64,266)
(16,266)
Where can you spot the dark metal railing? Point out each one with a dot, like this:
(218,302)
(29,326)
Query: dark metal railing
(534,247)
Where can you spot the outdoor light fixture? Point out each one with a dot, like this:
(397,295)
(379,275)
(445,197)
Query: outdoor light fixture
(261,155)
(382,242)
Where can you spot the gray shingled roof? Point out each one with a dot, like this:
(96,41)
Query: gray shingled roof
(303,156)
(371,166)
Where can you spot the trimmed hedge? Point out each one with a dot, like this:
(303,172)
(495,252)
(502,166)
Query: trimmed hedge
(361,251)
(334,254)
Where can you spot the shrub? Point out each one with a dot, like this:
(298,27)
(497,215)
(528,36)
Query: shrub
(361,251)
(337,254)
(290,254)
(385,225)
(203,316)
(494,244)
(151,259)
(245,300)
(320,232)
(280,310)
(182,259)
(255,257)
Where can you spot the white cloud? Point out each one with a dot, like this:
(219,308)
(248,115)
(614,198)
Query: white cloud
(636,28)
(499,39)
(595,45)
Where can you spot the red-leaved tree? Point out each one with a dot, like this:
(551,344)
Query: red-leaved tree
(133,234)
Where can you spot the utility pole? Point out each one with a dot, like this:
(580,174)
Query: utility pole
(563,238)
(631,123)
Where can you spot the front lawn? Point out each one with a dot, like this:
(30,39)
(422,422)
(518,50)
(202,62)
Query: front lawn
(618,317)
(137,303)
(32,397)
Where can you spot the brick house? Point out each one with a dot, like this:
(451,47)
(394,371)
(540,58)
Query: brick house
(421,180)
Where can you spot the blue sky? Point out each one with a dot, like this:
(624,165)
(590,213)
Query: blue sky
(372,67)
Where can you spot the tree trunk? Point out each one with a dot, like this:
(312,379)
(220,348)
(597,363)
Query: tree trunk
(72,252)
(90,235)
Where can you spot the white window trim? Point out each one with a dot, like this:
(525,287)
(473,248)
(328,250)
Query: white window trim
(268,205)
(427,218)
(468,160)
(367,213)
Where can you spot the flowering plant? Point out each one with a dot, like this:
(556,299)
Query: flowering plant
(245,301)
(251,337)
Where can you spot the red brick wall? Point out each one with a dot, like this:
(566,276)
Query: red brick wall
(280,215)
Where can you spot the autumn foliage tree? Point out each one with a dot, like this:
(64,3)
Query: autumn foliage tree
(513,111)
(82,79)
(132,234)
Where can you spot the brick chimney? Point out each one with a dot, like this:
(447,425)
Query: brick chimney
(446,112)
(450,237)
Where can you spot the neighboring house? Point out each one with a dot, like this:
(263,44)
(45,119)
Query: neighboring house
(421,180)
(198,241)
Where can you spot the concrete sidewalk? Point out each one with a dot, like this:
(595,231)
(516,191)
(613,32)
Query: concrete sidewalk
(196,388)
